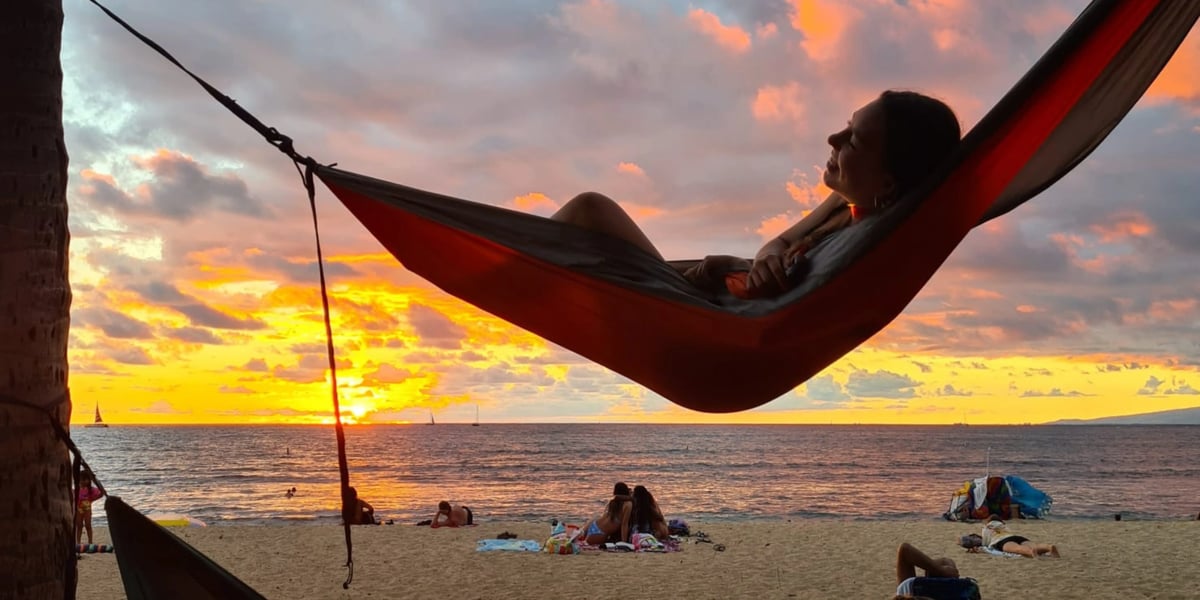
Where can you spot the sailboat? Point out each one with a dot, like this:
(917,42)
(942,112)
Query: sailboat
(431,421)
(476,423)
(98,422)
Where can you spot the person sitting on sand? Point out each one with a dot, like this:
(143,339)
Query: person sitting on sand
(450,515)
(358,511)
(909,559)
(997,536)
(647,517)
(613,525)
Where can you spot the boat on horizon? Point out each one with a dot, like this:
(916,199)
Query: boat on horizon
(476,423)
(98,422)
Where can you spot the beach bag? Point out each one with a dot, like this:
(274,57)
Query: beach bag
(971,540)
(946,588)
(678,527)
(560,545)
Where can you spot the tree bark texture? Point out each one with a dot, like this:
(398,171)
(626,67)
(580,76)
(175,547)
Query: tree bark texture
(36,551)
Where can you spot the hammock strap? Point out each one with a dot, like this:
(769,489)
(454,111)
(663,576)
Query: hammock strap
(343,468)
(284,144)
(272,135)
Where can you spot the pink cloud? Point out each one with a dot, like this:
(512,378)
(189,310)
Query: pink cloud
(766,31)
(778,103)
(730,37)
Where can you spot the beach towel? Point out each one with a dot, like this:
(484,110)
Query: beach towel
(995,552)
(490,545)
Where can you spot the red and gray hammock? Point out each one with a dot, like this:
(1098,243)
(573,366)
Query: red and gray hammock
(629,311)
(634,314)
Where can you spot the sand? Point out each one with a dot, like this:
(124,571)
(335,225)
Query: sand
(819,559)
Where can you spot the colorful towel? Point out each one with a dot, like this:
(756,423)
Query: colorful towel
(507,545)
(995,552)
(642,542)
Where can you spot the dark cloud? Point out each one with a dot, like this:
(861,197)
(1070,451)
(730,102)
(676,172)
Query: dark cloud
(130,355)
(825,389)
(256,365)
(113,324)
(950,390)
(386,375)
(880,384)
(159,407)
(179,190)
(434,328)
(1053,393)
(194,335)
(206,316)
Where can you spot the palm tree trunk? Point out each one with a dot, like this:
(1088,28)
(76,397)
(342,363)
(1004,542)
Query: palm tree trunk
(36,559)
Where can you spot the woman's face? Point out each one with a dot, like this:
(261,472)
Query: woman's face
(856,167)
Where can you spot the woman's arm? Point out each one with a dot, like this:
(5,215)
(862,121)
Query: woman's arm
(769,271)
(804,226)
(626,511)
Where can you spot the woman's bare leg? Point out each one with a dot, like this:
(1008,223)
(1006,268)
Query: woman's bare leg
(1021,548)
(598,212)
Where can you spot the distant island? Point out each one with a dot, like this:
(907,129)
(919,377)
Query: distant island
(1182,416)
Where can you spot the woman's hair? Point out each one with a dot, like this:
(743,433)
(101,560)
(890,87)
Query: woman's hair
(645,509)
(613,509)
(920,133)
(620,489)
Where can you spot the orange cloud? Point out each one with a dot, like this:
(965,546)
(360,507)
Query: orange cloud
(534,200)
(778,103)
(1124,226)
(631,168)
(773,226)
(822,24)
(729,37)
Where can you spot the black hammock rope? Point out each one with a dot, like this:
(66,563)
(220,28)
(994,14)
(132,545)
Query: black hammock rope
(284,144)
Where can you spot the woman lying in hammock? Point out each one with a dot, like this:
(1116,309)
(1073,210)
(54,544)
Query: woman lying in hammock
(889,147)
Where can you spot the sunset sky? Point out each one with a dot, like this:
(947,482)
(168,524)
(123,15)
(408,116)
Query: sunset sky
(193,262)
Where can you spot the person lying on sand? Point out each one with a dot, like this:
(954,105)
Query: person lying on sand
(997,536)
(450,515)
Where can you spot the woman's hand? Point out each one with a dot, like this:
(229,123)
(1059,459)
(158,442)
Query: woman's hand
(768,275)
(709,273)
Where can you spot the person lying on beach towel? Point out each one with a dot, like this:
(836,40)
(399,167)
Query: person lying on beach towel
(940,582)
(450,515)
(997,536)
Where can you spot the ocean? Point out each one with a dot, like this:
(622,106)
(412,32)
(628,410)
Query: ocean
(512,472)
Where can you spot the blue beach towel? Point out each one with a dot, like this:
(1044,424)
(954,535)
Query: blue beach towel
(508,545)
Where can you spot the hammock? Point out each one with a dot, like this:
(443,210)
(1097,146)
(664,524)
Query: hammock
(155,563)
(618,306)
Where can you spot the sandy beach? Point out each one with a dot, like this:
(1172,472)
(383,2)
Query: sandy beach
(818,559)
